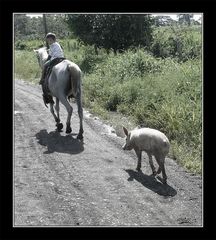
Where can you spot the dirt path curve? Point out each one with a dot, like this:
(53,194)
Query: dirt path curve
(60,181)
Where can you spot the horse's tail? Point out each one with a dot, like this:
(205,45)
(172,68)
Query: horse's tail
(75,77)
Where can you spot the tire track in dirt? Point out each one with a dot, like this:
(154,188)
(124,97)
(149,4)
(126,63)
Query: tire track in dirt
(61,181)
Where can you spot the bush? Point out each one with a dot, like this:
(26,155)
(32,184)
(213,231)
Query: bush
(20,45)
(179,42)
(28,45)
(90,59)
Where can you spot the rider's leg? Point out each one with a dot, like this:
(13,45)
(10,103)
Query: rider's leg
(42,76)
(44,70)
(44,82)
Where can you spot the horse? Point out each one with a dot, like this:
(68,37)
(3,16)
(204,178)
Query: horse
(64,81)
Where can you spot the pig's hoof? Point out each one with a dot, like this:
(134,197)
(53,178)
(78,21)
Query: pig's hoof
(164,181)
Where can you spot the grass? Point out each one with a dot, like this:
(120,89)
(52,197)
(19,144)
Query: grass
(160,93)
(26,66)
(168,100)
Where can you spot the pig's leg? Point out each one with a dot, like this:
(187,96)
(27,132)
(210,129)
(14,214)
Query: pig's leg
(163,170)
(157,157)
(160,161)
(151,164)
(139,156)
(159,170)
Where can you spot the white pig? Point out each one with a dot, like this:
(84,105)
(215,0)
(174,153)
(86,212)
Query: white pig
(153,142)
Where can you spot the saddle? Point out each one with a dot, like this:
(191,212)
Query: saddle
(52,64)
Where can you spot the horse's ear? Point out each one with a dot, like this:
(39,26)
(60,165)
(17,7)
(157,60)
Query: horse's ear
(35,50)
(125,131)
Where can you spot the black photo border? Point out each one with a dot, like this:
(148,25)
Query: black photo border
(7,8)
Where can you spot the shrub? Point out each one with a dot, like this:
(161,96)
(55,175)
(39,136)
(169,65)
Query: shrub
(179,42)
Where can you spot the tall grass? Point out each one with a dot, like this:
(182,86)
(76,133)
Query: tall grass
(26,66)
(160,93)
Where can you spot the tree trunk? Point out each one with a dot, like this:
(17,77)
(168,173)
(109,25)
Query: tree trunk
(96,49)
(45,28)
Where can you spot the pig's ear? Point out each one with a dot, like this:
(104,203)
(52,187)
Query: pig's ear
(125,131)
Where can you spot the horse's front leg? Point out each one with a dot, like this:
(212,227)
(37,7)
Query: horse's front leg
(69,109)
(57,119)
(57,109)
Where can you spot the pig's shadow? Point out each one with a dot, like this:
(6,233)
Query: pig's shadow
(151,183)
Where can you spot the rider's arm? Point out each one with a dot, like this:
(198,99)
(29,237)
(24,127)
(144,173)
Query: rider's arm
(49,57)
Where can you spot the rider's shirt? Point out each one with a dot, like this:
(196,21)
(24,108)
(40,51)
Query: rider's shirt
(56,51)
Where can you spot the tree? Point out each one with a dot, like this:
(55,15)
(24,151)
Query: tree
(112,31)
(163,21)
(185,18)
(20,23)
(26,28)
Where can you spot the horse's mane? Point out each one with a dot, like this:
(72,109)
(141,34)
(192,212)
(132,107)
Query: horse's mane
(43,53)
(42,49)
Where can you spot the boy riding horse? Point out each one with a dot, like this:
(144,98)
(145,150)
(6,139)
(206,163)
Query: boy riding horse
(55,56)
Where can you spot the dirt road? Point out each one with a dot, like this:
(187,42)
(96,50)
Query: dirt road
(61,181)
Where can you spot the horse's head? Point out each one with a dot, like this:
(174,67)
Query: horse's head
(41,55)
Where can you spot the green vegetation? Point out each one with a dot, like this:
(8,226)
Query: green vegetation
(180,42)
(159,88)
(161,94)
(26,66)
(112,31)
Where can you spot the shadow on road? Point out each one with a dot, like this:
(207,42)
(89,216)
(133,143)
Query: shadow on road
(55,142)
(151,183)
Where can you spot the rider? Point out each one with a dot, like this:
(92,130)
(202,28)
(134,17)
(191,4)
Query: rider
(55,53)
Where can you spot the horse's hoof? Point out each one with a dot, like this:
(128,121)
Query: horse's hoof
(59,126)
(80,136)
(68,130)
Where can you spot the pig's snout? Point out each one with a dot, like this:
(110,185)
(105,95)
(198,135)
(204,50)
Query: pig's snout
(124,147)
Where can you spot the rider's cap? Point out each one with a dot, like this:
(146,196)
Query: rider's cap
(51,35)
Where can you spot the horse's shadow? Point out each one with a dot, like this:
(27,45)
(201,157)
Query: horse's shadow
(55,142)
(151,183)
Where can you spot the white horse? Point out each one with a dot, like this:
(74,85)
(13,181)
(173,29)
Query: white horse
(64,81)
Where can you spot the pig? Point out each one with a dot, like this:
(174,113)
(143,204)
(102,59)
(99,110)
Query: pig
(153,142)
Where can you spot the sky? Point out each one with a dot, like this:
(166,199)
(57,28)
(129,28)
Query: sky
(174,16)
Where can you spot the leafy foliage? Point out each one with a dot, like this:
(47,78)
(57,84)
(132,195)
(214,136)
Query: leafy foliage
(112,31)
(26,28)
(178,42)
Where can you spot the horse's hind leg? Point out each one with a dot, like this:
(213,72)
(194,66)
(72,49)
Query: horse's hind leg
(69,109)
(80,112)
